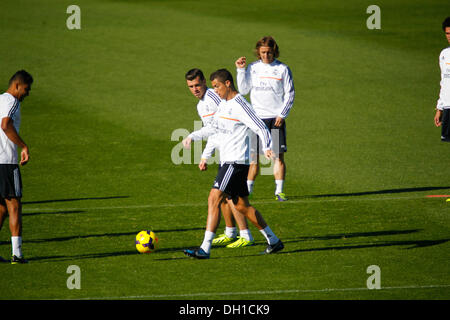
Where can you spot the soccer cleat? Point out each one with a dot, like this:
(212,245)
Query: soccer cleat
(222,240)
(272,248)
(17,260)
(241,242)
(197,253)
(280,197)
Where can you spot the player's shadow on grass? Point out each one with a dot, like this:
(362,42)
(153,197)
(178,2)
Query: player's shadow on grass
(355,235)
(343,236)
(74,199)
(99,235)
(104,255)
(411,243)
(52,212)
(84,256)
(365,193)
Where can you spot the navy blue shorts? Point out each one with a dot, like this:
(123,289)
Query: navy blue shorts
(232,179)
(278,139)
(10,181)
(445,131)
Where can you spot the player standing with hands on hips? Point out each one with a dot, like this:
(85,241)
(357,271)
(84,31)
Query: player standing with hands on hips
(10,179)
(442,117)
(272,93)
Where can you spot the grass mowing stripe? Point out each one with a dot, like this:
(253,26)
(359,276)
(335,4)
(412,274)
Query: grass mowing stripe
(169,205)
(264,292)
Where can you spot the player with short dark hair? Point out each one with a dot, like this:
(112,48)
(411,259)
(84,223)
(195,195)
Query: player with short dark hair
(235,119)
(445,23)
(272,93)
(10,178)
(194,73)
(442,116)
(208,102)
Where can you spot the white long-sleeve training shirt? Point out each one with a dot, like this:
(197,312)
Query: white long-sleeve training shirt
(234,120)
(207,108)
(444,95)
(9,107)
(271,88)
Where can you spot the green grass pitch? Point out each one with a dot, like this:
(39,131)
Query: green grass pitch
(363,150)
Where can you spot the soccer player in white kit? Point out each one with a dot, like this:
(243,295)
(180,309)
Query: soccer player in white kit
(10,179)
(442,116)
(272,93)
(208,102)
(235,118)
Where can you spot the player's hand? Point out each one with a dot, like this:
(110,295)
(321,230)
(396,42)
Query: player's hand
(437,118)
(279,122)
(187,143)
(203,166)
(240,63)
(269,154)
(24,156)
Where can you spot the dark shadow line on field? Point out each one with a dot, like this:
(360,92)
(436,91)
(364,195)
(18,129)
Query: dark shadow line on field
(105,255)
(75,199)
(365,193)
(412,243)
(52,212)
(134,232)
(354,235)
(85,256)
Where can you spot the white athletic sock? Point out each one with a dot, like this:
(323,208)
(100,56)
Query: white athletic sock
(269,235)
(16,243)
(207,240)
(279,186)
(231,232)
(246,234)
(250,184)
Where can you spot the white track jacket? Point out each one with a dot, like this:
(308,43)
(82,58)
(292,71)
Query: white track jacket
(271,88)
(233,121)
(444,95)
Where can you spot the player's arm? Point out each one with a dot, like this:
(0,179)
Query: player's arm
(243,77)
(209,150)
(207,153)
(250,119)
(288,97)
(438,118)
(9,130)
(200,134)
(440,103)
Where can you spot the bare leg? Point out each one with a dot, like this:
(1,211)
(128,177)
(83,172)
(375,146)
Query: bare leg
(279,168)
(240,220)
(3,212)
(243,206)
(253,171)
(215,198)
(227,214)
(230,216)
(15,216)
(15,225)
